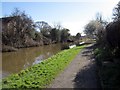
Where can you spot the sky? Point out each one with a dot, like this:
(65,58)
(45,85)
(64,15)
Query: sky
(73,15)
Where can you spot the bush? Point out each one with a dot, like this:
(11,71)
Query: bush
(113,35)
(108,71)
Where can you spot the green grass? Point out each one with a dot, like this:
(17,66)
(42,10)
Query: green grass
(0,84)
(42,74)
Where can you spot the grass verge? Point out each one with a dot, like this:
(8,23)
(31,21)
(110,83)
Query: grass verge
(40,75)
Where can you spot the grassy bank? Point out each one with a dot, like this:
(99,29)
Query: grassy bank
(108,68)
(40,75)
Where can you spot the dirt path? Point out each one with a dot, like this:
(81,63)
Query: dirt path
(81,73)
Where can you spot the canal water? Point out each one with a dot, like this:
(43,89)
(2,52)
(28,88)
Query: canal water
(14,62)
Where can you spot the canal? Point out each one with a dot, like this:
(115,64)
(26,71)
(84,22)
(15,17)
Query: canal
(14,62)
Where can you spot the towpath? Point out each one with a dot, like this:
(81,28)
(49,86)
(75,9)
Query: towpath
(81,73)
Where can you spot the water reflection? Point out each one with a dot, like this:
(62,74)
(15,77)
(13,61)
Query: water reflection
(13,62)
(38,59)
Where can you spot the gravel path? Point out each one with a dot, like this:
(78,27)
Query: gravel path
(81,73)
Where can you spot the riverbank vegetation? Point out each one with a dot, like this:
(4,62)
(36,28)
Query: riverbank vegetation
(40,75)
(20,31)
(107,51)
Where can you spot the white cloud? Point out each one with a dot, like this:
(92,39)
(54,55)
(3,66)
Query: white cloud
(107,8)
(75,27)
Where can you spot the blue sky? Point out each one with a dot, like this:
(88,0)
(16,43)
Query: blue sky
(71,15)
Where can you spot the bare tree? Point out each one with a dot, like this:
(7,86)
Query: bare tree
(44,28)
(58,25)
(116,12)
(16,28)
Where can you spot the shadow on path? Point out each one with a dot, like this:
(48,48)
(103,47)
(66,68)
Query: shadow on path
(87,77)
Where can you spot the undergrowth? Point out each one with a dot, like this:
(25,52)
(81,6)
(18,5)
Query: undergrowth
(108,69)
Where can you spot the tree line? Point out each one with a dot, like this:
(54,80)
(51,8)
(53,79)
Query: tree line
(19,30)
